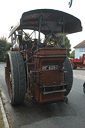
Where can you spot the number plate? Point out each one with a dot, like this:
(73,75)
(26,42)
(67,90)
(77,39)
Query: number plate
(50,67)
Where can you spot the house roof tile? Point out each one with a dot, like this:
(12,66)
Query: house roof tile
(80,45)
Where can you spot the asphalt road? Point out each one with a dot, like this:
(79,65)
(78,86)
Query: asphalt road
(54,115)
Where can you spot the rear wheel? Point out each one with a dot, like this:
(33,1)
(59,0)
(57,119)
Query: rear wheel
(16,77)
(68,75)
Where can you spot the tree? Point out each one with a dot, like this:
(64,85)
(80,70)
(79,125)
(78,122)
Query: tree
(4,48)
(67,44)
(72,55)
(60,41)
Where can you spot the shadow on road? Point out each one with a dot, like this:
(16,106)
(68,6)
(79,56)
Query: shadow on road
(32,111)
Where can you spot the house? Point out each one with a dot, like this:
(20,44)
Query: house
(79,50)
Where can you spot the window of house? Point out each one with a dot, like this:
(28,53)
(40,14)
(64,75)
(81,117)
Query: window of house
(82,50)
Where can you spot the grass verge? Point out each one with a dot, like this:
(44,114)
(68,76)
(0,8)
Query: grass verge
(1,120)
(1,117)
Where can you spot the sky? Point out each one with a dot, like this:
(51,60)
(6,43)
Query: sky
(11,11)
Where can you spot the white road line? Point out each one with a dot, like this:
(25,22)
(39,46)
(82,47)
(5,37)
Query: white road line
(79,76)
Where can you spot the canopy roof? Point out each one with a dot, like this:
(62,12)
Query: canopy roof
(54,18)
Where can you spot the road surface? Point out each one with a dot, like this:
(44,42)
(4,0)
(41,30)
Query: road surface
(54,115)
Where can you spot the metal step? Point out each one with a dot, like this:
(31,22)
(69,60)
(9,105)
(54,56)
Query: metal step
(53,89)
(57,91)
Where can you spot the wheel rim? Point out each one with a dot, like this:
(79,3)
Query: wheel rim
(9,80)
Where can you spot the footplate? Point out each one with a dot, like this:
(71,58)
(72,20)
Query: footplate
(60,88)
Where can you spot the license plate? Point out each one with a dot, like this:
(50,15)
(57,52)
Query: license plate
(50,67)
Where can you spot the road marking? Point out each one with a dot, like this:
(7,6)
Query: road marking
(79,76)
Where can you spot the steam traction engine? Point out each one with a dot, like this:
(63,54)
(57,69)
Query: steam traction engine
(40,68)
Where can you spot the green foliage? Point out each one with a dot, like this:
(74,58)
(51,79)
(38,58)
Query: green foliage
(1,117)
(60,41)
(4,48)
(67,44)
(72,55)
